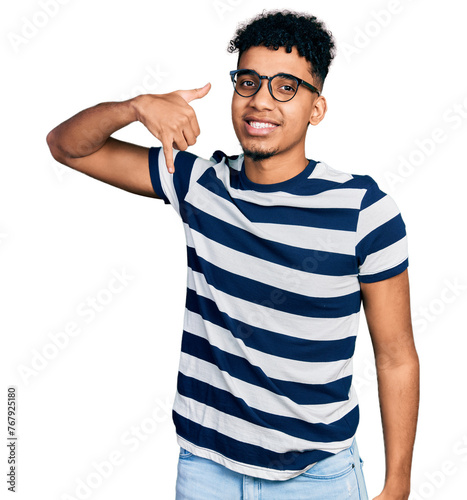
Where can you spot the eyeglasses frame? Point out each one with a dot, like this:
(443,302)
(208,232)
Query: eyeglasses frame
(300,81)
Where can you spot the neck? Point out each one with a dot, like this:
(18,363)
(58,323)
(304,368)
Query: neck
(275,169)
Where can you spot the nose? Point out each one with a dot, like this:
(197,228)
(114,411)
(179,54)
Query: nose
(263,98)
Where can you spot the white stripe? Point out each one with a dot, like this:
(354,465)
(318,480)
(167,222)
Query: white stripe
(282,277)
(262,399)
(325,172)
(337,198)
(385,259)
(310,238)
(375,215)
(271,319)
(290,370)
(247,432)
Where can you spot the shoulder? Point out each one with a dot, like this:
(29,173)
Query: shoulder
(343,183)
(156,156)
(323,171)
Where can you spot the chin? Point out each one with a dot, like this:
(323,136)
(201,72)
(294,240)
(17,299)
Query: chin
(259,154)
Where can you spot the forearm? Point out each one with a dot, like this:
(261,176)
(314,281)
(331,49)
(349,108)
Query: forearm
(398,386)
(88,130)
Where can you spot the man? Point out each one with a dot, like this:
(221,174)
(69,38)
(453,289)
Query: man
(281,252)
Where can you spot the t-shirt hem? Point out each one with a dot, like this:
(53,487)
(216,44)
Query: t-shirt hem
(153,160)
(250,470)
(383,275)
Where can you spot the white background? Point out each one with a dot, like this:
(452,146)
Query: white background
(399,77)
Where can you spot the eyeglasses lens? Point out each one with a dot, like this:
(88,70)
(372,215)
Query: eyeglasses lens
(283,87)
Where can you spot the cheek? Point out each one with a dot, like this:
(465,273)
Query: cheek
(236,104)
(299,117)
(237,111)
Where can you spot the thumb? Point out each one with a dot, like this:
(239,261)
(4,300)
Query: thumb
(190,95)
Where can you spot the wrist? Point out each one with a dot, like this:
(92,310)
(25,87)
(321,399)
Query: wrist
(136,107)
(399,490)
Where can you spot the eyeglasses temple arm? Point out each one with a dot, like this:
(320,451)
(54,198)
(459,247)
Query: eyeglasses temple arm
(313,89)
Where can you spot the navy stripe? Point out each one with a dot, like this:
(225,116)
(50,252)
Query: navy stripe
(213,184)
(219,155)
(316,186)
(306,187)
(343,219)
(261,293)
(242,369)
(222,400)
(269,342)
(293,185)
(373,193)
(381,237)
(153,160)
(184,162)
(242,452)
(302,259)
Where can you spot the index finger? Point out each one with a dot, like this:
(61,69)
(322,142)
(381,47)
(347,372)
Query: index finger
(168,154)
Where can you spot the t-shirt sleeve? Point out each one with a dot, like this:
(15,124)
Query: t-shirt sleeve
(172,188)
(381,237)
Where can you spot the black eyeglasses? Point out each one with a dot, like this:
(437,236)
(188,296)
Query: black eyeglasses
(282,86)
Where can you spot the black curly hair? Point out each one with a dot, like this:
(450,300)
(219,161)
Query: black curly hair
(289,29)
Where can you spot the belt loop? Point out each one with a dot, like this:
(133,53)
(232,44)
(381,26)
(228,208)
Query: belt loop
(353,446)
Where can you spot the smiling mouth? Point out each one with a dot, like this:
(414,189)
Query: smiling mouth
(261,125)
(255,127)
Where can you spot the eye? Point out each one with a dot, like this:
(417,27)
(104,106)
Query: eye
(246,81)
(285,85)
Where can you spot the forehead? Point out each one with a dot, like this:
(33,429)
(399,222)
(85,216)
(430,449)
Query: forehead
(267,61)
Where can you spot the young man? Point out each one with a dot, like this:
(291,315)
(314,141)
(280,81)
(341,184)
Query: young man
(281,252)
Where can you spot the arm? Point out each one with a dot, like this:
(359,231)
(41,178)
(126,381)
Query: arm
(387,310)
(83,141)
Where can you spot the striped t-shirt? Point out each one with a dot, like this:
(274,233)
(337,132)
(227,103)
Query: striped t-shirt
(272,307)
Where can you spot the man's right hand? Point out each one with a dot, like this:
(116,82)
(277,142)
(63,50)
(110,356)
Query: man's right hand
(171,119)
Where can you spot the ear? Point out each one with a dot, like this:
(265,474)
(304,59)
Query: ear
(318,111)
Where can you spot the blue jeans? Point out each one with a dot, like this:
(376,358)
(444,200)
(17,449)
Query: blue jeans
(335,478)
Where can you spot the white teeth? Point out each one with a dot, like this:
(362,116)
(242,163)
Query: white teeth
(262,125)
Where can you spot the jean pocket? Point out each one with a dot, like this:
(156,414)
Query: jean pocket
(185,453)
(333,467)
(327,475)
